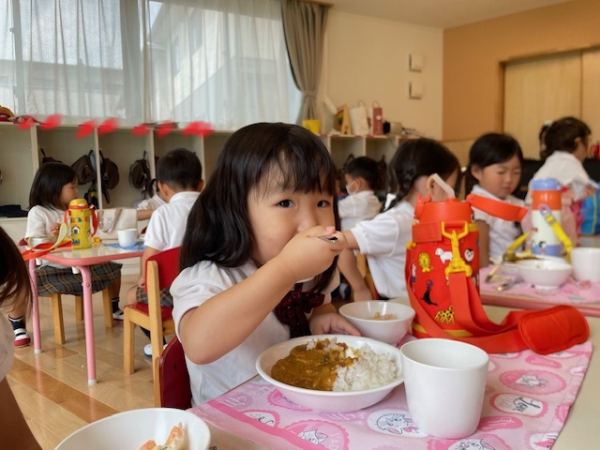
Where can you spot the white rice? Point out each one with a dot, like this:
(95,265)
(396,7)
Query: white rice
(370,370)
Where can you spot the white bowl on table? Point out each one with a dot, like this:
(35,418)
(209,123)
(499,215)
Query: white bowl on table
(544,273)
(328,400)
(391,331)
(132,429)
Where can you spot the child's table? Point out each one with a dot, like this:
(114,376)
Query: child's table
(80,259)
(253,416)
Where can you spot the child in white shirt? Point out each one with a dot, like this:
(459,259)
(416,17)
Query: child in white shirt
(384,238)
(567,145)
(362,179)
(179,175)
(254,272)
(494,171)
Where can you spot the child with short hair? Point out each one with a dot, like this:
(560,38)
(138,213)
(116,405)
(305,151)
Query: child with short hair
(15,293)
(179,175)
(362,179)
(54,187)
(567,145)
(383,239)
(494,171)
(254,271)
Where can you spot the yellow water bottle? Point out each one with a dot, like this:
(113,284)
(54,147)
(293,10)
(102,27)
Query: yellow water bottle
(80,218)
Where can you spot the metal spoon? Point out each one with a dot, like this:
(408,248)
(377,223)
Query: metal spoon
(328,238)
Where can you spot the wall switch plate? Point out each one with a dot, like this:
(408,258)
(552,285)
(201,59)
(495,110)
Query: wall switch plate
(415,89)
(415,62)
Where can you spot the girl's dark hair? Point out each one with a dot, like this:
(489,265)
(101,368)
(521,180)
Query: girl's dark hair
(562,133)
(491,148)
(419,157)
(48,183)
(218,228)
(14,277)
(366,168)
(180,168)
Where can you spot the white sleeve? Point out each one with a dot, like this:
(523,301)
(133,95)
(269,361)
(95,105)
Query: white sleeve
(347,207)
(379,236)
(37,223)
(156,231)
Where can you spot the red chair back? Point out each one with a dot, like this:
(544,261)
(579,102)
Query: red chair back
(168,266)
(173,377)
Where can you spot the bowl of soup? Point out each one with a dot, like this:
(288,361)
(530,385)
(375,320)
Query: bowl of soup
(334,373)
(382,320)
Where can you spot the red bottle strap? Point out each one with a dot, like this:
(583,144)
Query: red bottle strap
(497,208)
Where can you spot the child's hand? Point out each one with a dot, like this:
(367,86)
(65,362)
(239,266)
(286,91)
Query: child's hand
(306,255)
(142,283)
(54,229)
(332,323)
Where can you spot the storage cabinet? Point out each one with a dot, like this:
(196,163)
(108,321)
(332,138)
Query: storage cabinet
(20,157)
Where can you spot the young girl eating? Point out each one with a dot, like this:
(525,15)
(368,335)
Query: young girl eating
(54,187)
(257,268)
(494,171)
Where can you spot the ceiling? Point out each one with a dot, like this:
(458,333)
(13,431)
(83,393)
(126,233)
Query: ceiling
(438,13)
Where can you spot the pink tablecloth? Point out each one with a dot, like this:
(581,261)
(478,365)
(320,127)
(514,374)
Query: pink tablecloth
(570,293)
(527,401)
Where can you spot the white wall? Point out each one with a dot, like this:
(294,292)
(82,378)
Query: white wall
(367,59)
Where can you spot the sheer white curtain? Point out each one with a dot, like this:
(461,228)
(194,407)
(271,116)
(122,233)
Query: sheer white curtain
(222,61)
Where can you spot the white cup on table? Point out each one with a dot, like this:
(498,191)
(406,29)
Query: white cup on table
(127,237)
(445,386)
(586,263)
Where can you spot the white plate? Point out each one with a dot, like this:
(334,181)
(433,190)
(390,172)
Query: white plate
(132,429)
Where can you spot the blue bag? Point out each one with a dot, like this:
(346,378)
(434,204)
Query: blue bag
(590,211)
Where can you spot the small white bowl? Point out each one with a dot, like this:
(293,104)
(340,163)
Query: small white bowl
(132,429)
(390,331)
(544,273)
(328,400)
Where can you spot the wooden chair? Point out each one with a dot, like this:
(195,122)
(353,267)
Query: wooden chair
(172,378)
(363,268)
(161,270)
(57,314)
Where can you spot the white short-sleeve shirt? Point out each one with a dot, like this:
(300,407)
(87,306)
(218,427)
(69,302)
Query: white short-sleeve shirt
(7,348)
(383,240)
(167,224)
(40,220)
(565,168)
(194,286)
(357,207)
(502,232)
(153,202)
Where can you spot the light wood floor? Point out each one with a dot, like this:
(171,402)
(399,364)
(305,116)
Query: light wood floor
(52,388)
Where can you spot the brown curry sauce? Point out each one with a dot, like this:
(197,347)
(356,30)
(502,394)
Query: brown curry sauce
(312,369)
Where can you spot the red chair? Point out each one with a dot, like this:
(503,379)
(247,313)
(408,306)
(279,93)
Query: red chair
(161,270)
(173,377)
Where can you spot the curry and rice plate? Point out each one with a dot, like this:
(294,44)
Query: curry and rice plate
(328,365)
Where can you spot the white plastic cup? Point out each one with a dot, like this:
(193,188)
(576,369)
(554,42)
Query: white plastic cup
(586,263)
(127,237)
(445,386)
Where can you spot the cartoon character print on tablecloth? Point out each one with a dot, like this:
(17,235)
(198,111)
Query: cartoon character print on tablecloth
(425,262)
(427,295)
(325,434)
(244,399)
(541,441)
(269,418)
(276,398)
(393,422)
(536,382)
(518,404)
(481,442)
(562,411)
(578,371)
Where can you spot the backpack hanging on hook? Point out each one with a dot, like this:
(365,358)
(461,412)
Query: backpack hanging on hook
(140,176)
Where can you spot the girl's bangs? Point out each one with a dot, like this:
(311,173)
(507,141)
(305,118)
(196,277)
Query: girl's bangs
(300,170)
